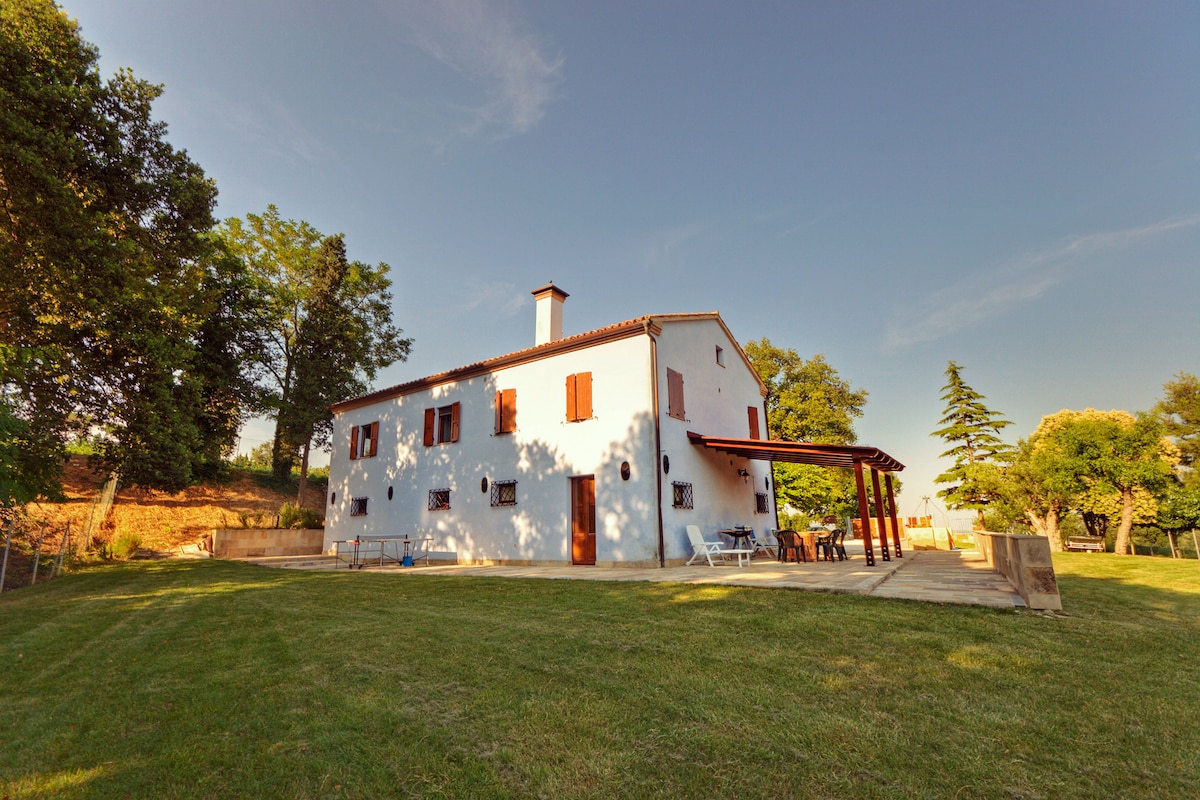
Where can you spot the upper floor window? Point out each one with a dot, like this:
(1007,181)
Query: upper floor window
(441,424)
(364,441)
(506,410)
(720,356)
(675,394)
(579,396)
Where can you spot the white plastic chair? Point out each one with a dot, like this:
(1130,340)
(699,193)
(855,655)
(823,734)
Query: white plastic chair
(706,550)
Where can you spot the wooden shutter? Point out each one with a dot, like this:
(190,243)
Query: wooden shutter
(506,410)
(752,412)
(583,395)
(572,416)
(675,394)
(455,410)
(374,439)
(354,442)
(430,424)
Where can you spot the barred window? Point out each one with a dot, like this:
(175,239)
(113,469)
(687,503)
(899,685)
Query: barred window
(358,506)
(504,493)
(681,495)
(760,503)
(439,499)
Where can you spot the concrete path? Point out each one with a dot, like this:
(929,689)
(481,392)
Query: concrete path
(959,576)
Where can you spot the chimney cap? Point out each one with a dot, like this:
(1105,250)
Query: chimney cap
(549,289)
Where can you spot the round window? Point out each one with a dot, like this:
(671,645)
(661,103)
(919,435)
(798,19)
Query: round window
(624,470)
(483,485)
(666,463)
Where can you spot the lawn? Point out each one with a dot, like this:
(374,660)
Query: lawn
(212,679)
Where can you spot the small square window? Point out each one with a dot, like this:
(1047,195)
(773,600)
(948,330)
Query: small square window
(439,499)
(681,495)
(720,356)
(358,506)
(504,493)
(760,503)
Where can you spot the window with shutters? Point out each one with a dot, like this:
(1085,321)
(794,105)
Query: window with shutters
(760,503)
(752,413)
(441,424)
(506,410)
(504,493)
(681,495)
(439,499)
(675,395)
(364,441)
(358,506)
(579,397)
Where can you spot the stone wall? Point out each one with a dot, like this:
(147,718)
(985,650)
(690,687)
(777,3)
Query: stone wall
(1025,561)
(256,542)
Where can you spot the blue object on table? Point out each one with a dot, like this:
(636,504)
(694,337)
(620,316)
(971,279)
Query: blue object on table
(406,562)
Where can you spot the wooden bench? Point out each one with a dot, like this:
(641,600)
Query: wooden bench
(1093,544)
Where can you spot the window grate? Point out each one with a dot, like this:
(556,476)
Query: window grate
(760,503)
(504,493)
(439,499)
(358,506)
(681,494)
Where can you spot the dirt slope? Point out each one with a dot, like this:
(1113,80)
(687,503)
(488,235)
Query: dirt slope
(162,520)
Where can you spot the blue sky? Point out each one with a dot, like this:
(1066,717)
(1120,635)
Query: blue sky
(1014,186)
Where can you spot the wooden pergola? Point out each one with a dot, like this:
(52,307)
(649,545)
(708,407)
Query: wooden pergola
(829,455)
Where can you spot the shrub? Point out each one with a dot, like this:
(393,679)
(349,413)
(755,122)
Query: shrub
(292,517)
(125,546)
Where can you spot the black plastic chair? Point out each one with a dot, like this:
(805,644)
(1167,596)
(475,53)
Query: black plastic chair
(790,541)
(837,543)
(824,546)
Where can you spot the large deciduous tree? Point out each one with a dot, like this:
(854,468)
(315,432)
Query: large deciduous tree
(1179,410)
(973,431)
(106,274)
(328,326)
(807,401)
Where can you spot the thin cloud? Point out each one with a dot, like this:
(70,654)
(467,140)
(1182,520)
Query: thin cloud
(665,248)
(495,294)
(481,43)
(1022,280)
(273,128)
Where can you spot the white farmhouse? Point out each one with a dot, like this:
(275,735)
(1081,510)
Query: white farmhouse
(574,451)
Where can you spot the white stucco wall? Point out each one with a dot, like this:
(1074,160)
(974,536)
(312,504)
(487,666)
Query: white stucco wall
(541,455)
(716,399)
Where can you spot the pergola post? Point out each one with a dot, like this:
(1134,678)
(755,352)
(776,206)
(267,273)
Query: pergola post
(864,513)
(891,498)
(880,519)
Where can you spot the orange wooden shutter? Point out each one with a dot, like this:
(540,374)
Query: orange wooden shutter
(354,443)
(583,395)
(374,439)
(508,415)
(675,394)
(752,412)
(499,426)
(454,417)
(571,413)
(430,422)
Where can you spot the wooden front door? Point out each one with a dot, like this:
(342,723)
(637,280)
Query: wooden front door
(583,520)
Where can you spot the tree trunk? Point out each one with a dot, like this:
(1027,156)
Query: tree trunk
(1121,547)
(303,475)
(1047,526)
(1171,541)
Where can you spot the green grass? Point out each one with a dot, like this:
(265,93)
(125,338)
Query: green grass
(213,679)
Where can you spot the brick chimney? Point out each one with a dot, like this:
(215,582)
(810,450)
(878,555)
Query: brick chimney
(549,300)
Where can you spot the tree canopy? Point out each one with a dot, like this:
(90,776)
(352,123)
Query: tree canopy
(1179,410)
(972,429)
(807,401)
(328,326)
(106,273)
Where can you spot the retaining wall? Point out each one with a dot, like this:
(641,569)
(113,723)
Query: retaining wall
(254,542)
(1025,561)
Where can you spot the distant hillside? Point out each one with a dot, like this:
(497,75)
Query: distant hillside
(163,521)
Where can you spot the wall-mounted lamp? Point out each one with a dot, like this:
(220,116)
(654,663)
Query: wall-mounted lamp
(744,474)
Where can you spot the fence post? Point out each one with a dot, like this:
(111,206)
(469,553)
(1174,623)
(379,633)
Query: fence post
(7,542)
(62,546)
(37,556)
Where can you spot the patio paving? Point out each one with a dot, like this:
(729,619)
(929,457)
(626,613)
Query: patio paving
(959,576)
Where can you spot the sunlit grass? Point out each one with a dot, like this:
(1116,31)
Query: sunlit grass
(211,679)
